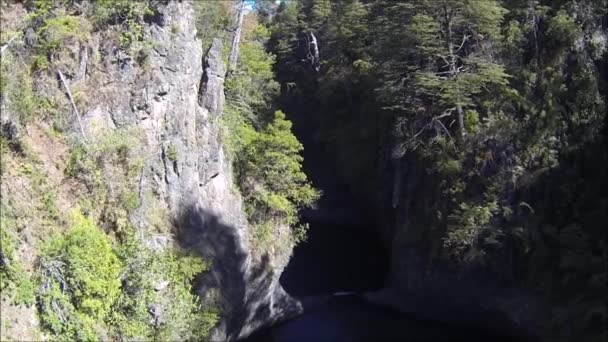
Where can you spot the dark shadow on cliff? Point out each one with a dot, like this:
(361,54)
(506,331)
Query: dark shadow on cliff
(202,233)
(249,296)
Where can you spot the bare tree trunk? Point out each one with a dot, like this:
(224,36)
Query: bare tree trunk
(453,69)
(313,51)
(65,85)
(460,121)
(236,38)
(448,23)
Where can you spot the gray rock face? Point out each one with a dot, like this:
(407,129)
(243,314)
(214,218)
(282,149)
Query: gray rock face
(176,101)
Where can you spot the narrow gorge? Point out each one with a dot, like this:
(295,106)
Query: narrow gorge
(303,170)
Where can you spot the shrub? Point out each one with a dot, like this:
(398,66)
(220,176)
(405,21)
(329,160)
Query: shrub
(4,72)
(84,289)
(562,28)
(468,221)
(253,83)
(24,98)
(25,101)
(126,13)
(55,33)
(172,153)
(213,19)
(471,121)
(157,301)
(79,281)
(15,283)
(113,156)
(60,30)
(83,166)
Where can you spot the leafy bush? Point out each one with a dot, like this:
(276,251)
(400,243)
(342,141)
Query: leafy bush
(84,167)
(4,72)
(213,20)
(265,153)
(172,153)
(269,170)
(114,156)
(15,283)
(471,121)
(59,30)
(562,29)
(128,14)
(136,293)
(253,83)
(55,32)
(157,301)
(79,281)
(467,224)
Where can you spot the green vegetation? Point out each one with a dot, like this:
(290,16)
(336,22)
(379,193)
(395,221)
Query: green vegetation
(491,109)
(132,292)
(477,124)
(54,30)
(253,86)
(213,20)
(109,167)
(88,276)
(269,172)
(57,29)
(26,102)
(172,153)
(156,300)
(80,280)
(160,280)
(15,283)
(265,153)
(36,209)
(4,79)
(60,30)
(129,15)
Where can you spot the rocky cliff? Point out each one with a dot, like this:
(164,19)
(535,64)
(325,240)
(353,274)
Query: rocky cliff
(185,91)
(172,101)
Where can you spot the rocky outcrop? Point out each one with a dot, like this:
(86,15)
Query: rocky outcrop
(176,101)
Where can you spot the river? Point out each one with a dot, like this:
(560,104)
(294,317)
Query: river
(327,273)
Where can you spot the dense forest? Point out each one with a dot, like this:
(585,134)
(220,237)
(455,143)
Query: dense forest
(474,131)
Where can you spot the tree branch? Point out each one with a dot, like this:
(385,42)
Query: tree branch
(445,129)
(464,39)
(445,113)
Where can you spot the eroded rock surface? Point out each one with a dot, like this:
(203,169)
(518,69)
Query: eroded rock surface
(176,102)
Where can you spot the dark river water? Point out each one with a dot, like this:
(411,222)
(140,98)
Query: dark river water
(345,259)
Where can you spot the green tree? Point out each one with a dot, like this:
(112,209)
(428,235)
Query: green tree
(265,153)
(452,41)
(271,176)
